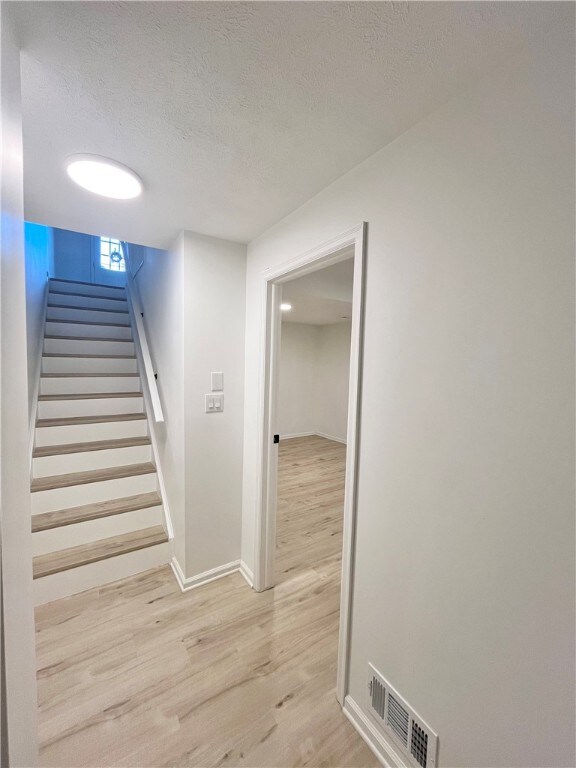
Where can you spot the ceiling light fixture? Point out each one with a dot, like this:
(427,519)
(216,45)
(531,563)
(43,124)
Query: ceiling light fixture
(285,307)
(104,176)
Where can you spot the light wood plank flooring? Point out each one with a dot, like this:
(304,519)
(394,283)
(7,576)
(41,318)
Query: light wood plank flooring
(138,674)
(311,474)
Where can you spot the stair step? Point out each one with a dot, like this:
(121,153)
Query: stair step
(81,328)
(77,354)
(47,520)
(86,375)
(72,420)
(86,338)
(90,396)
(87,309)
(90,322)
(83,282)
(68,345)
(96,445)
(61,406)
(92,476)
(54,562)
(86,295)
(89,385)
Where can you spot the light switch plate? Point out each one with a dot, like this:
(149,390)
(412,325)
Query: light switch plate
(214,403)
(217,378)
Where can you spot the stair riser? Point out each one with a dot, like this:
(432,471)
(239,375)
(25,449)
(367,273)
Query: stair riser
(82,384)
(88,365)
(75,329)
(86,301)
(88,347)
(89,531)
(93,290)
(56,409)
(90,493)
(85,577)
(44,466)
(85,433)
(86,315)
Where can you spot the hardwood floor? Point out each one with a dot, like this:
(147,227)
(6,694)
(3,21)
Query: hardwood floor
(311,474)
(138,674)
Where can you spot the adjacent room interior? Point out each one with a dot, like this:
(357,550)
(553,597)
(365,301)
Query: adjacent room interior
(312,417)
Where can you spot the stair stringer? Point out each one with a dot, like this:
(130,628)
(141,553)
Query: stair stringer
(37,375)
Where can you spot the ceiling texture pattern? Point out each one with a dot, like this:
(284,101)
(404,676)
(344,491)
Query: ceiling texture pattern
(234,114)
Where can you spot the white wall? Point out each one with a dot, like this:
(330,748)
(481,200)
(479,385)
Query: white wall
(464,563)
(17,642)
(297,376)
(214,280)
(39,253)
(313,380)
(193,300)
(72,255)
(333,375)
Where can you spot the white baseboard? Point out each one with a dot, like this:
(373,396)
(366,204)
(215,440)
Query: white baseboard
(203,578)
(313,434)
(246,573)
(379,745)
(331,437)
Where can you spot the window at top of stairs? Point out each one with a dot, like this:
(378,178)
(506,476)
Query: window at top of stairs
(112,255)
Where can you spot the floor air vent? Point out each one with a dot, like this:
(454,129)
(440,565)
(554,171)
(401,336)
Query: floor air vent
(396,717)
(378,696)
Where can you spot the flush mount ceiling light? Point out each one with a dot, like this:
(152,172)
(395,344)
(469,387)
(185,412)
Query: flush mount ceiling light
(103,176)
(285,307)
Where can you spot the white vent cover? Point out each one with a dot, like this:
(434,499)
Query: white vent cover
(396,717)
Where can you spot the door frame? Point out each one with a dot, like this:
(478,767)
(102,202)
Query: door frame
(351,242)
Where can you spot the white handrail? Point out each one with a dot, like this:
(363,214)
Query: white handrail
(140,338)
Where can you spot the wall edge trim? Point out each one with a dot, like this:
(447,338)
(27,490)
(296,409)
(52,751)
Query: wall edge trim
(375,740)
(332,437)
(191,582)
(246,573)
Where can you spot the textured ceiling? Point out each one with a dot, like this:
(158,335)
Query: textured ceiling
(236,113)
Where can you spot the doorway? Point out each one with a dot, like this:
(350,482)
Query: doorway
(349,247)
(312,411)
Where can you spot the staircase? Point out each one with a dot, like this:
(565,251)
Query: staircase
(97,512)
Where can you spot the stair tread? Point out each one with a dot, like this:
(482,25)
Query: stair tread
(83,282)
(77,354)
(90,476)
(93,445)
(72,420)
(86,338)
(90,396)
(64,559)
(85,375)
(85,512)
(88,322)
(86,295)
(87,309)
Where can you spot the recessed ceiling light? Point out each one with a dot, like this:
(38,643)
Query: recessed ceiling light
(285,307)
(103,176)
